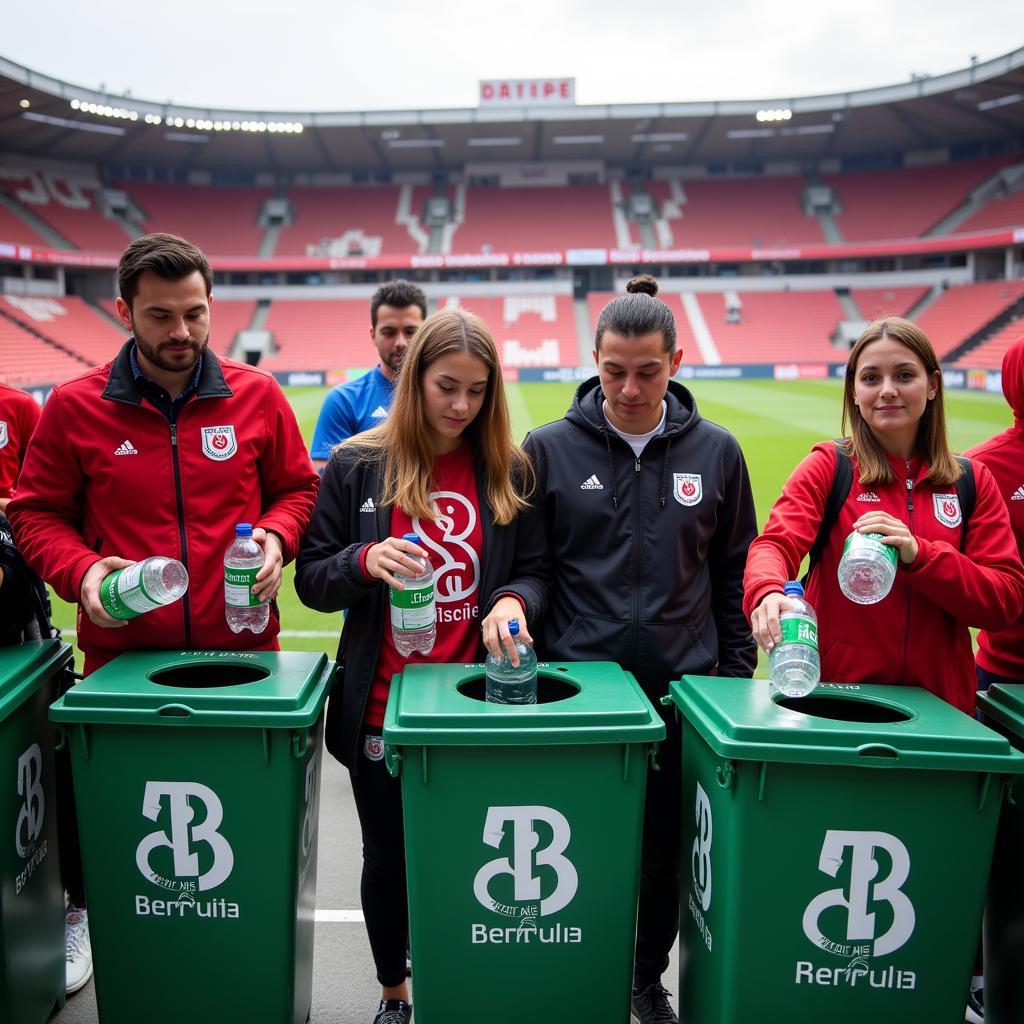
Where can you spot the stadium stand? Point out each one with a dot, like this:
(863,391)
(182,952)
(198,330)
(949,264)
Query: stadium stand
(1001,212)
(529,330)
(26,359)
(904,202)
(70,322)
(14,229)
(221,221)
(743,212)
(353,221)
(229,317)
(84,226)
(989,354)
(775,327)
(319,334)
(879,302)
(963,310)
(535,219)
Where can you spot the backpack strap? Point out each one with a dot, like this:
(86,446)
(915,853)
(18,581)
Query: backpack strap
(966,493)
(842,481)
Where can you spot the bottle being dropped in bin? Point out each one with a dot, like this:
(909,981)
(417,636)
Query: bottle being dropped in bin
(141,587)
(506,684)
(412,609)
(242,561)
(867,568)
(794,664)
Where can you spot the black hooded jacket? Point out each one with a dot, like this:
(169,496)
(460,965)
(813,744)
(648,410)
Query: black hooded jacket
(646,554)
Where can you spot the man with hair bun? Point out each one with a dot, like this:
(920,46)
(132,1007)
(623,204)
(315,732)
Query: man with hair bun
(648,513)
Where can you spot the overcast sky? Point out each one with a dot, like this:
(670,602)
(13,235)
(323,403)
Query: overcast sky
(323,55)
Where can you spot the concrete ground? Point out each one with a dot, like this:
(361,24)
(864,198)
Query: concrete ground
(345,990)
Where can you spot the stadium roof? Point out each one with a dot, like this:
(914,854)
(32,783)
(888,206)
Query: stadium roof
(41,116)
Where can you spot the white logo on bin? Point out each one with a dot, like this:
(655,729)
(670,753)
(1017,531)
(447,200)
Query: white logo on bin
(701,864)
(526,887)
(865,889)
(309,820)
(185,835)
(30,788)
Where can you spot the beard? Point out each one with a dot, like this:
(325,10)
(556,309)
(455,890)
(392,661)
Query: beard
(159,354)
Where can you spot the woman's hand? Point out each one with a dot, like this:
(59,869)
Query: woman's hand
(764,620)
(895,533)
(495,628)
(394,555)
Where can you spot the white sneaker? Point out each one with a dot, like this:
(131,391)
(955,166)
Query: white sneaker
(77,950)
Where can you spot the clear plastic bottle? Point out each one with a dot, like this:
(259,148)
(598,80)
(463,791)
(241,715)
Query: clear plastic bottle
(139,588)
(242,561)
(507,684)
(413,625)
(794,664)
(867,568)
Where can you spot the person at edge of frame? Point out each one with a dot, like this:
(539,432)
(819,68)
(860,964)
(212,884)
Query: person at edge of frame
(159,452)
(396,311)
(647,513)
(443,467)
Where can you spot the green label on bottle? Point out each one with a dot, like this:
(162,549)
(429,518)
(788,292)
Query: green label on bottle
(858,542)
(238,584)
(413,608)
(798,630)
(123,595)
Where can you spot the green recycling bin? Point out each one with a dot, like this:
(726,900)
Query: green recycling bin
(1002,708)
(31,894)
(836,849)
(197,779)
(523,827)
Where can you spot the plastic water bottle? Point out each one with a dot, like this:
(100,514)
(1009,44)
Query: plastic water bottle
(506,684)
(413,624)
(139,588)
(242,561)
(867,568)
(794,663)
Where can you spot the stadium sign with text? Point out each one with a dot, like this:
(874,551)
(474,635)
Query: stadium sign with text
(528,92)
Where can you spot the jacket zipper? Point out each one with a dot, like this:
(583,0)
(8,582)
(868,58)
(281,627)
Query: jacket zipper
(180,501)
(910,517)
(635,618)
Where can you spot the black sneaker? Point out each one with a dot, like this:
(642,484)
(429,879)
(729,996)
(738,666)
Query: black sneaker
(975,1012)
(651,1006)
(393,1011)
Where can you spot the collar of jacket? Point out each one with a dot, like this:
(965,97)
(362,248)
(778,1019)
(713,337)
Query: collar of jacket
(121,385)
(681,413)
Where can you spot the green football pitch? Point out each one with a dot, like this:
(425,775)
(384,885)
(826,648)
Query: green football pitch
(775,422)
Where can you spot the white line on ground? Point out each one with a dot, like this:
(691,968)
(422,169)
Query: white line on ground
(305,634)
(339,916)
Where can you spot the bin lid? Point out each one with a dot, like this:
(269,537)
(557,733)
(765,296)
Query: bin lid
(596,702)
(25,667)
(840,724)
(229,689)
(1004,703)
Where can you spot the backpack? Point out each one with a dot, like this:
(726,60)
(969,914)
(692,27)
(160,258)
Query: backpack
(842,481)
(24,601)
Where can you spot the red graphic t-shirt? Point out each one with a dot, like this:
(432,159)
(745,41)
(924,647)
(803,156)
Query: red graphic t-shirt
(455,542)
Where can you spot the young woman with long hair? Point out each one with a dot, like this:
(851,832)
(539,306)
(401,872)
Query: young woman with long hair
(443,466)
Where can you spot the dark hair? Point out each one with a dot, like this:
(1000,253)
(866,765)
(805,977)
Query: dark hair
(638,312)
(398,294)
(167,256)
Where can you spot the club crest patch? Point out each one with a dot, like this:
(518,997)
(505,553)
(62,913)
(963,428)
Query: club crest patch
(947,509)
(4,436)
(219,443)
(687,488)
(373,747)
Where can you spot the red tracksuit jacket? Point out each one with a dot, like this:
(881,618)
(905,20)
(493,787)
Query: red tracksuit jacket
(107,475)
(1002,650)
(19,414)
(918,634)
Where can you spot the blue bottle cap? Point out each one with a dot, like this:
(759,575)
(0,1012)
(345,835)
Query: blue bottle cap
(794,588)
(243,530)
(413,537)
(513,627)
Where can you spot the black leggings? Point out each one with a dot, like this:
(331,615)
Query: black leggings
(378,799)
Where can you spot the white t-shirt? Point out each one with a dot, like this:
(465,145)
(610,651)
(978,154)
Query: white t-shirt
(637,441)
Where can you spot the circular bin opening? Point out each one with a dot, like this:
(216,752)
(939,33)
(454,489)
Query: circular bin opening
(837,709)
(549,689)
(205,676)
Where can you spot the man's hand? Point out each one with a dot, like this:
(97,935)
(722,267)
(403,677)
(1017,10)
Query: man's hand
(495,628)
(268,579)
(89,596)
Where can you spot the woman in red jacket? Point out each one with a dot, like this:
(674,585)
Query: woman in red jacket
(904,487)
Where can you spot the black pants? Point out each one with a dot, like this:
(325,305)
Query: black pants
(378,799)
(658,911)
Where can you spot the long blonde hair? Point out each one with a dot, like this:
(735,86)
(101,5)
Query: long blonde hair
(932,444)
(401,443)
